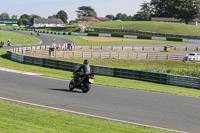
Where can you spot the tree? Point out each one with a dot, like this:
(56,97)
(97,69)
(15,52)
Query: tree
(161,8)
(118,16)
(86,11)
(185,10)
(123,17)
(111,17)
(4,16)
(129,18)
(24,19)
(34,16)
(144,13)
(52,17)
(14,17)
(62,15)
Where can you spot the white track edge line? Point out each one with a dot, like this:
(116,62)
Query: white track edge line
(13,100)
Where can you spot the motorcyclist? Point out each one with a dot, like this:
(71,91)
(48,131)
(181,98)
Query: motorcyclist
(2,43)
(9,42)
(84,70)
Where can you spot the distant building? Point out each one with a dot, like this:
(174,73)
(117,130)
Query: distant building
(174,20)
(91,20)
(9,22)
(41,22)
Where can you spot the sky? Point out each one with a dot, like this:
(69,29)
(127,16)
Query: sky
(45,8)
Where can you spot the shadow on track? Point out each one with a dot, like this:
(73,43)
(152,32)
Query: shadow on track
(65,90)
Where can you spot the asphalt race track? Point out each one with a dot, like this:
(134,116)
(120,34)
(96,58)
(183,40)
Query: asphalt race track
(47,39)
(156,109)
(168,111)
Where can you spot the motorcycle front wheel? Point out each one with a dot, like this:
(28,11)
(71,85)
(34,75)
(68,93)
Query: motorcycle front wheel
(86,88)
(71,86)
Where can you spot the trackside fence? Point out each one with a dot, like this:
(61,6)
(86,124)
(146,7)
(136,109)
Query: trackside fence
(183,81)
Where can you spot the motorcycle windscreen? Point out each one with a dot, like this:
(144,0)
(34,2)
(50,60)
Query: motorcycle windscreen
(91,81)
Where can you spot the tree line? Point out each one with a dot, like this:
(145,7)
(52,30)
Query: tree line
(26,19)
(186,10)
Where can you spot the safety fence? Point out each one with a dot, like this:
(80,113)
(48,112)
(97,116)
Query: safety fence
(120,55)
(183,81)
(141,32)
(180,38)
(115,48)
(36,51)
(135,48)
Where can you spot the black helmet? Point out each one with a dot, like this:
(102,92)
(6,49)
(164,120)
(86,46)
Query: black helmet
(86,62)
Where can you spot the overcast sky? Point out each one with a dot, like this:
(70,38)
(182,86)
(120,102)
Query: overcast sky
(46,8)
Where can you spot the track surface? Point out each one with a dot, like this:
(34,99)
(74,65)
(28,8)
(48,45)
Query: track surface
(150,108)
(45,39)
(156,109)
(48,39)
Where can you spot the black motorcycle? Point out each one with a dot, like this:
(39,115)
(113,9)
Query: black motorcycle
(83,83)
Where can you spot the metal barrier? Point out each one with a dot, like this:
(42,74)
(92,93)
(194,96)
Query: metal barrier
(15,57)
(183,81)
(143,32)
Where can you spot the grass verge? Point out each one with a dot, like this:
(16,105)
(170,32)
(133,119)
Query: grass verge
(184,68)
(101,80)
(79,41)
(17,38)
(22,118)
(159,27)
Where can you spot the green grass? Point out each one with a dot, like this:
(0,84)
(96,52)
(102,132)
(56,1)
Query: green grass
(21,118)
(8,26)
(101,80)
(79,41)
(162,66)
(159,27)
(138,64)
(17,38)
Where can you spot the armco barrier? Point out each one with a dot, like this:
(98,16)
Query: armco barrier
(15,57)
(168,79)
(184,81)
(142,32)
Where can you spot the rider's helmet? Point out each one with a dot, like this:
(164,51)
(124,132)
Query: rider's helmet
(86,62)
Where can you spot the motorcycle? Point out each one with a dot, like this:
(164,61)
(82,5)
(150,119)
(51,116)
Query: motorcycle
(83,83)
